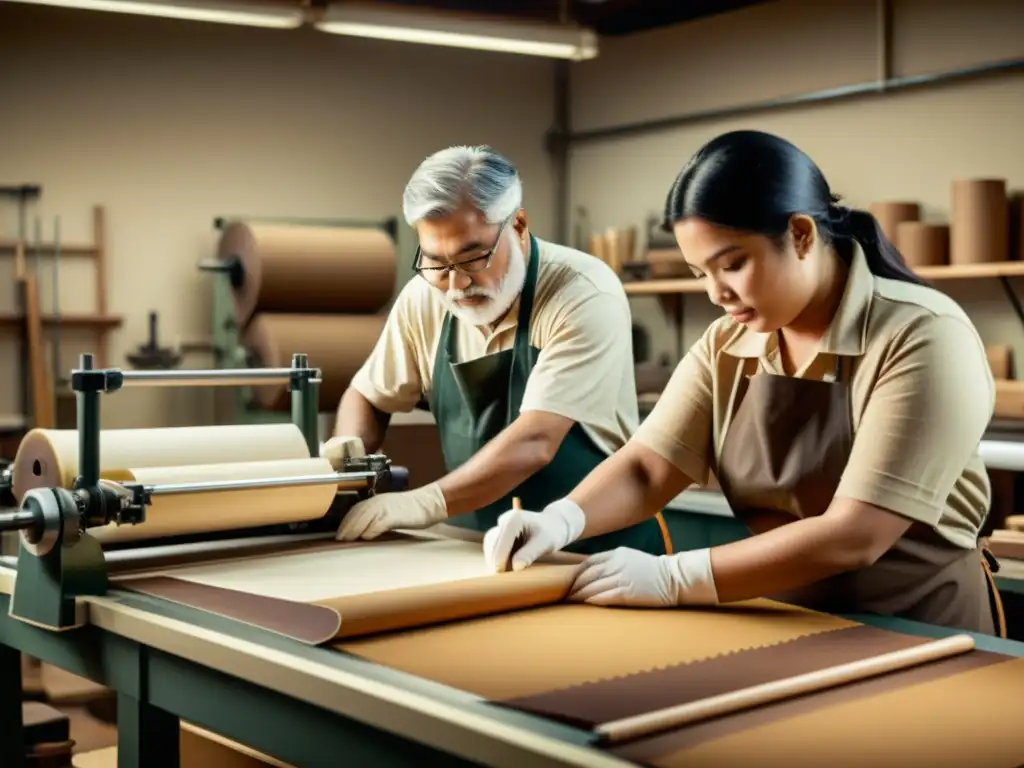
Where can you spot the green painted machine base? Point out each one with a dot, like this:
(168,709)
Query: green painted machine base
(47,586)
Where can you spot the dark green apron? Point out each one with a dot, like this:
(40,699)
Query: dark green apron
(473,401)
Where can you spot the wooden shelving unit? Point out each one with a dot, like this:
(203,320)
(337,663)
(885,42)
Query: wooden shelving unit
(31,322)
(952,272)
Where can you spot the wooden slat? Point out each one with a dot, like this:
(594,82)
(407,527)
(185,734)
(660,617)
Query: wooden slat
(48,249)
(42,393)
(71,320)
(99,237)
(949,272)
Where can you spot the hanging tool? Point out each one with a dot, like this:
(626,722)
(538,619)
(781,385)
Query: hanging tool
(151,355)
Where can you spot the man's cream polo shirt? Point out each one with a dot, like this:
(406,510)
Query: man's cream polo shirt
(581,323)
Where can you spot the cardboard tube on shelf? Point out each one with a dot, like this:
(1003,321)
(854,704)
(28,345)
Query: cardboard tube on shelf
(1000,360)
(923,245)
(890,215)
(980,230)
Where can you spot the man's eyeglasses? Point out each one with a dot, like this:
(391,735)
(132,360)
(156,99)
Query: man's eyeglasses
(470,266)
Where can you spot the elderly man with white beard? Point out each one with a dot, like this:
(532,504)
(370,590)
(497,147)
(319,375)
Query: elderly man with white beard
(522,348)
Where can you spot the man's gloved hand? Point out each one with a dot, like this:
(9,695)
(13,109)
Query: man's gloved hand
(541,533)
(341,447)
(629,577)
(419,508)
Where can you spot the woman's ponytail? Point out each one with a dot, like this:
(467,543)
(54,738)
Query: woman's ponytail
(883,258)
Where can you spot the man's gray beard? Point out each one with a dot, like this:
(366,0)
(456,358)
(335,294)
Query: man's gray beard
(499,299)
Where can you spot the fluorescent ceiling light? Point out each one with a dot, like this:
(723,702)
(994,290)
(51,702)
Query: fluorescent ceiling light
(530,39)
(222,13)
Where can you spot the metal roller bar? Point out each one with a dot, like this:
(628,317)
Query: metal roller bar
(168,489)
(16,521)
(210,378)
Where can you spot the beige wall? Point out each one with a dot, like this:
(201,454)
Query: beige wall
(170,124)
(900,146)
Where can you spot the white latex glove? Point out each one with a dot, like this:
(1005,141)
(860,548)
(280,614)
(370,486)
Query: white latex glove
(541,533)
(419,508)
(629,577)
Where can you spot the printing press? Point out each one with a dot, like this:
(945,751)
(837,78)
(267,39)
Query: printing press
(403,650)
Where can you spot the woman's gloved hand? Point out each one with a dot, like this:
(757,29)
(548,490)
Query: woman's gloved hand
(536,533)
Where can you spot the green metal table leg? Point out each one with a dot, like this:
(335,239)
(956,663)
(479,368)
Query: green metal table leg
(147,737)
(12,740)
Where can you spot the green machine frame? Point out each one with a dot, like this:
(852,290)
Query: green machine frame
(224,331)
(59,561)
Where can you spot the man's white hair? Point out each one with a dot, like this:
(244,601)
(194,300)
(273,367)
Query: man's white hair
(458,175)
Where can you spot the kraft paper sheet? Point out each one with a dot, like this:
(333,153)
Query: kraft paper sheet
(539,650)
(968,716)
(336,344)
(48,458)
(192,513)
(293,268)
(357,589)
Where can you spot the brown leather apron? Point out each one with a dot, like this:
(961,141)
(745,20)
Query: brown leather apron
(784,453)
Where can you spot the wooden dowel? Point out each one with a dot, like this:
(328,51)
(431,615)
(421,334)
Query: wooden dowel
(518,506)
(766,693)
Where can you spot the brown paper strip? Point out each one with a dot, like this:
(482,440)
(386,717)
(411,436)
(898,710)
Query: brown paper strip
(785,658)
(304,622)
(497,657)
(965,714)
(605,700)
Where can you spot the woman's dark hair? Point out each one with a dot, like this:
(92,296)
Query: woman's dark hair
(755,182)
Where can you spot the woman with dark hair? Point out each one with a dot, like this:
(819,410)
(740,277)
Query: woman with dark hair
(839,402)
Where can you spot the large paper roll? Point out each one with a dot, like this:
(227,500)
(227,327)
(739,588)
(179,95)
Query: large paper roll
(192,513)
(291,268)
(336,344)
(980,232)
(891,215)
(923,245)
(48,458)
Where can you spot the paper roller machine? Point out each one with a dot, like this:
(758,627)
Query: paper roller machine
(81,495)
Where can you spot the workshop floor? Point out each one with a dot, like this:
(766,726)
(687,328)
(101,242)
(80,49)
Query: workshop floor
(91,710)
(87,705)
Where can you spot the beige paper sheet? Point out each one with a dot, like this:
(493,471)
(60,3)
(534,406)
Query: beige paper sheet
(48,458)
(336,344)
(294,268)
(970,719)
(500,657)
(384,585)
(191,513)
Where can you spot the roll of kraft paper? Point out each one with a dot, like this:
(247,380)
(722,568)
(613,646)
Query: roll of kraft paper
(336,344)
(192,513)
(48,458)
(980,231)
(923,245)
(290,268)
(891,215)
